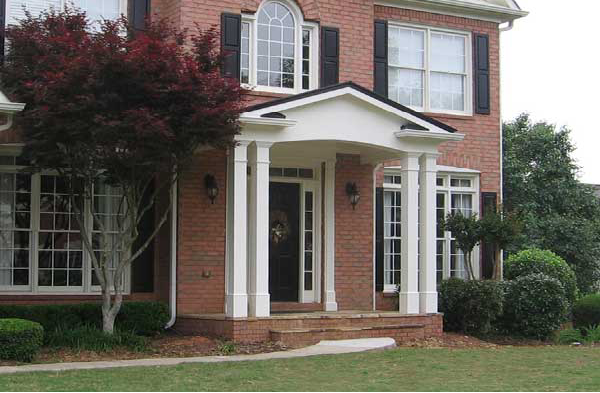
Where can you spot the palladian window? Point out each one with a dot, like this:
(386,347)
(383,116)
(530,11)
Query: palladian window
(278,49)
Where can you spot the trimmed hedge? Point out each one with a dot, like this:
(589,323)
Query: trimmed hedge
(470,306)
(534,306)
(535,261)
(586,311)
(144,318)
(20,340)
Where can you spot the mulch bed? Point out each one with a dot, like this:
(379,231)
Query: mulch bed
(173,345)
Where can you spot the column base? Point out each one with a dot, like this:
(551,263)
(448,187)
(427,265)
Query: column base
(409,303)
(330,303)
(237,305)
(259,305)
(428,302)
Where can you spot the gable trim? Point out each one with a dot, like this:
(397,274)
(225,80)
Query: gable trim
(375,99)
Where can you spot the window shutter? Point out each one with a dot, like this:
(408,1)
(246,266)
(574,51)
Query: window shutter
(231,38)
(139,12)
(330,56)
(380,68)
(2,26)
(489,201)
(482,74)
(379,250)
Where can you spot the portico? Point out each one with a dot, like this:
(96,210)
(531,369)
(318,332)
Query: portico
(285,196)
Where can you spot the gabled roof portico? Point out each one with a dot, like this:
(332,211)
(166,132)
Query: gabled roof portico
(316,127)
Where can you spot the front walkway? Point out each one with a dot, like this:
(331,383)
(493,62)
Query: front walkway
(322,348)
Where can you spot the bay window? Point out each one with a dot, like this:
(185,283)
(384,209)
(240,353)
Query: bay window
(456,192)
(428,69)
(278,49)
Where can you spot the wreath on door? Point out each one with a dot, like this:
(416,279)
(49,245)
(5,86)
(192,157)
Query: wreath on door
(280,227)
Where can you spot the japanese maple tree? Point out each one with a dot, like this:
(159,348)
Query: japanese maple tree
(107,105)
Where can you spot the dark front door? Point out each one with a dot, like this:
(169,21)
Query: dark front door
(284,241)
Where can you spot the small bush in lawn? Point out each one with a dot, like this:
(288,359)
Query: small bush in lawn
(591,334)
(90,338)
(20,340)
(569,336)
(546,262)
(534,306)
(470,306)
(586,311)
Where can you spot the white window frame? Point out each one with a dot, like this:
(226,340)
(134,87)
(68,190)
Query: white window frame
(33,288)
(10,4)
(447,190)
(428,30)
(300,25)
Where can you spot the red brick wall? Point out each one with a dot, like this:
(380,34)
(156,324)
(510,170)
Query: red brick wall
(353,236)
(201,241)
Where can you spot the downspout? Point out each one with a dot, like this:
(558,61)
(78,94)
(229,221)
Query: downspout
(173,294)
(506,28)
(377,167)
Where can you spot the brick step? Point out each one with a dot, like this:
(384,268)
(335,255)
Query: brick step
(309,336)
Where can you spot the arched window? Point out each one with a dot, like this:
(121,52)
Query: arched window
(278,49)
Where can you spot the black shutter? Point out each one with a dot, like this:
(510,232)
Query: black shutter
(330,56)
(231,39)
(2,25)
(489,202)
(379,239)
(139,12)
(380,69)
(482,74)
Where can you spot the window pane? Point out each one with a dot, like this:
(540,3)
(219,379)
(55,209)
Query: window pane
(447,91)
(406,47)
(392,240)
(406,86)
(448,53)
(245,52)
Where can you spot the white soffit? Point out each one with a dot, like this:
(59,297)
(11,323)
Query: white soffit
(491,10)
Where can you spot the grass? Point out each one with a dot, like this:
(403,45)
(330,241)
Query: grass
(404,369)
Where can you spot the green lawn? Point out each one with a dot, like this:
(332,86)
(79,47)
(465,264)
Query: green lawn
(480,369)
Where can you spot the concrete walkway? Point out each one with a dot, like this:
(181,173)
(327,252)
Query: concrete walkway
(322,348)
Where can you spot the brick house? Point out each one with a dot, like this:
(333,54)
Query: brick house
(367,121)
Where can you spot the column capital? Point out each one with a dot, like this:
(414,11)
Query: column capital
(410,162)
(428,162)
(242,143)
(263,144)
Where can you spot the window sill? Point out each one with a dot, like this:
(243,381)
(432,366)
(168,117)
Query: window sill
(259,93)
(450,115)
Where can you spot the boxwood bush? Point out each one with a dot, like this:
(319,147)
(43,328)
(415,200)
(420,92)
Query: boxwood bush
(586,311)
(470,306)
(534,306)
(144,318)
(20,340)
(534,261)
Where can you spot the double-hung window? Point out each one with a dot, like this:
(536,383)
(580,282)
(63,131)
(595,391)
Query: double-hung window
(278,51)
(41,250)
(428,69)
(96,10)
(456,192)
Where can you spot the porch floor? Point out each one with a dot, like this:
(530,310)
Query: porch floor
(311,315)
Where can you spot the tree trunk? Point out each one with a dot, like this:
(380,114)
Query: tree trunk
(110,311)
(497,275)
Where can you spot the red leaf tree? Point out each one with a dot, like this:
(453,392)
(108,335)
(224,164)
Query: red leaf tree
(106,105)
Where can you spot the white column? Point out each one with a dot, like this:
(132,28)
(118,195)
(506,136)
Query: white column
(428,299)
(237,295)
(330,302)
(409,292)
(258,236)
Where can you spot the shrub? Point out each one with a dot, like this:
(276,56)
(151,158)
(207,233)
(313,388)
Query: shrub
(20,340)
(92,338)
(534,306)
(569,336)
(592,334)
(145,318)
(470,306)
(546,262)
(586,311)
